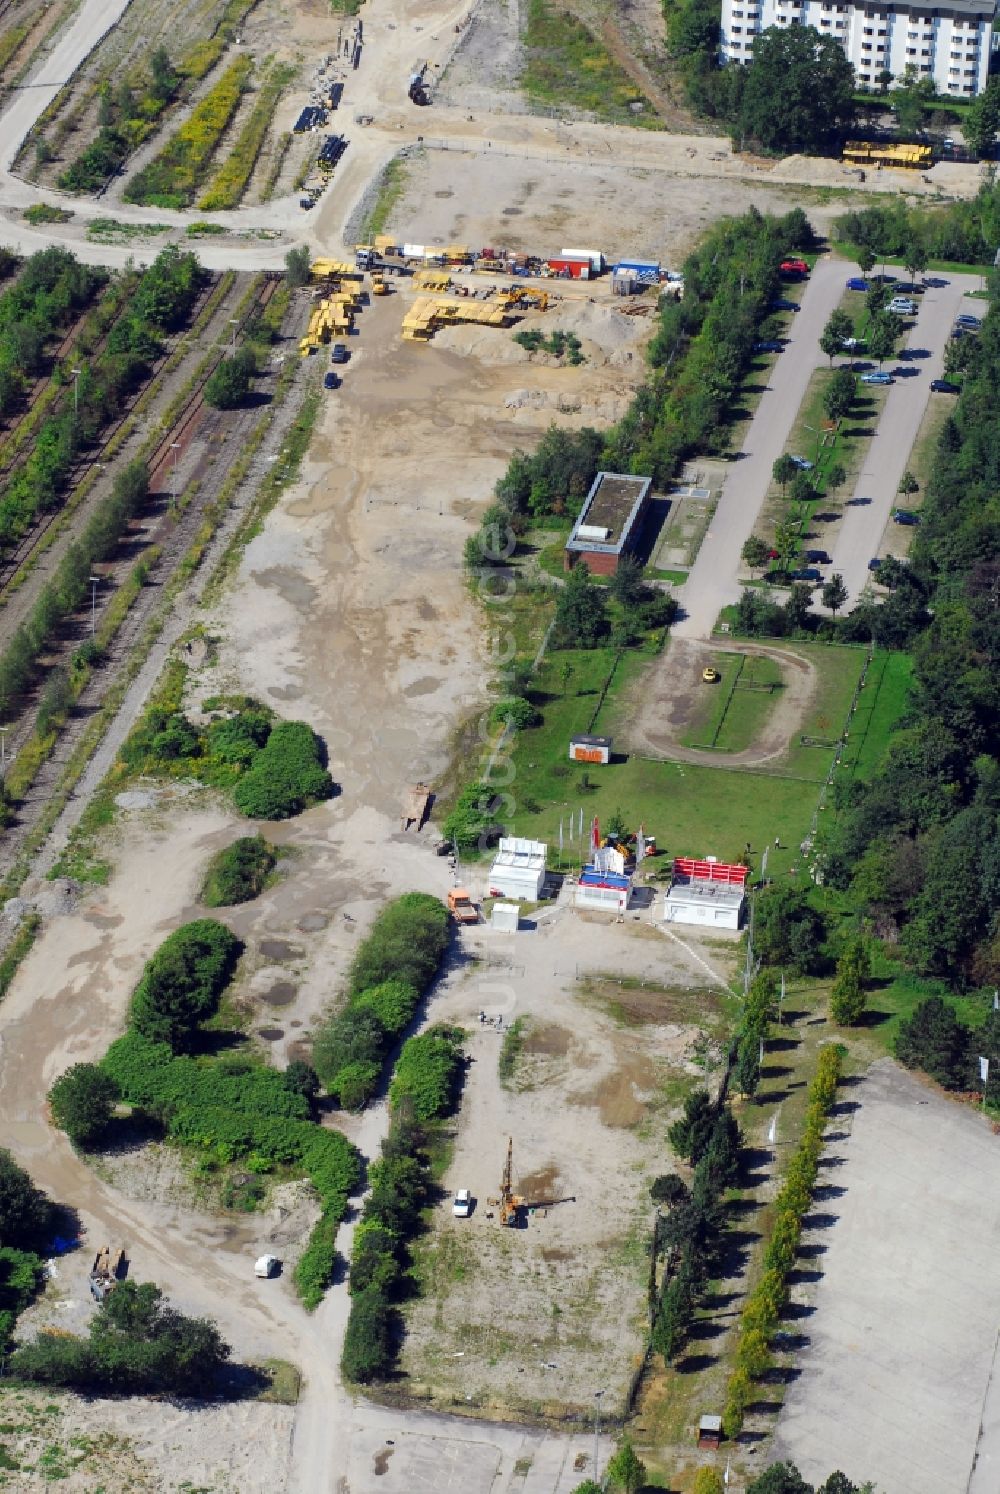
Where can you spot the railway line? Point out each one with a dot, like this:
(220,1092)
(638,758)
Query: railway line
(168,529)
(179,434)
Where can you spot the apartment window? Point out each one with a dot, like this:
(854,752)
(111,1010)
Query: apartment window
(911,51)
(925,52)
(970,72)
(953,72)
(737,30)
(866,46)
(824,24)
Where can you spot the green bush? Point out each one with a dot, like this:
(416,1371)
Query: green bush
(393,1002)
(26,1214)
(136,1345)
(427,1072)
(83,1102)
(183,982)
(515,712)
(368,1342)
(405,943)
(238,872)
(21,1276)
(229,385)
(287,775)
(314,1269)
(472,822)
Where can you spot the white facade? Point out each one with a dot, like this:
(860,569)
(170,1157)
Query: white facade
(949,42)
(505,918)
(519,869)
(704,903)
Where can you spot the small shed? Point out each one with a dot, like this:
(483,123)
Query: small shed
(710,1431)
(519,869)
(706,892)
(505,918)
(586,749)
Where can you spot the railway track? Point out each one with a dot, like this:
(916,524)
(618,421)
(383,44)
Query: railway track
(180,433)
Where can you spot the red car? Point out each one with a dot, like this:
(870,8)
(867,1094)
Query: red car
(793,267)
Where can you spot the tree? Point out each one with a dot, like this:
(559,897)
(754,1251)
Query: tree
(912,98)
(787,931)
(798,608)
(183,981)
(834,593)
(915,255)
(933,1039)
(302,1079)
(836,332)
(667,1189)
(780,1478)
(25,1211)
(783,471)
(297,262)
(229,385)
(707,1481)
(982,121)
(627,585)
(908,484)
(866,259)
(581,611)
(755,553)
(799,91)
(83,1102)
(786,542)
(625,1471)
(847,1000)
(803,488)
(838,396)
(883,334)
(836,476)
(367,1353)
(690,1134)
(746,1072)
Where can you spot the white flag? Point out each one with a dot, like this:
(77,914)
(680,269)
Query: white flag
(560,838)
(580,829)
(640,848)
(726,1479)
(984,1069)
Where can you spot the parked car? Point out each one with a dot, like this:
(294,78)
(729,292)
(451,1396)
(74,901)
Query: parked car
(710,676)
(330,380)
(817,557)
(902,306)
(857,283)
(878,377)
(802,463)
(339,353)
(768,347)
(807,573)
(875,564)
(781,304)
(905,516)
(266,1266)
(942,386)
(462,1207)
(793,267)
(852,344)
(972,323)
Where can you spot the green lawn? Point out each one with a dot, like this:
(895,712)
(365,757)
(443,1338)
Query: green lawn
(850,252)
(734,711)
(895,994)
(567,64)
(838,669)
(882,703)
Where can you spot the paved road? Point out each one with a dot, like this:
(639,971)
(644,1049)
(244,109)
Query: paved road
(897,1378)
(860,532)
(714,578)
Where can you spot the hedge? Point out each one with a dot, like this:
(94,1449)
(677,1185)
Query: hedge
(762,1310)
(392,969)
(238,873)
(172,178)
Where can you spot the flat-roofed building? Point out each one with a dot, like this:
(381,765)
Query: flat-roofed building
(610,523)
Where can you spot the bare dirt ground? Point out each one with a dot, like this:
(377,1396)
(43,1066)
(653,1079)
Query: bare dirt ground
(663,702)
(531,1319)
(537,207)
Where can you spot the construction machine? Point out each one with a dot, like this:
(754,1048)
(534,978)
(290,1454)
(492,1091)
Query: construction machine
(109,1268)
(379,286)
(418,91)
(510,1204)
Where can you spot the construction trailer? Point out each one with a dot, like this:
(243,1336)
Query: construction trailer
(518,871)
(569,269)
(595,259)
(707,892)
(605,883)
(646,271)
(505,918)
(587,749)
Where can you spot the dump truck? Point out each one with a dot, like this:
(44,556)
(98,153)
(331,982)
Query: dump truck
(461,907)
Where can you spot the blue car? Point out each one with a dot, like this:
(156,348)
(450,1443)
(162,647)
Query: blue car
(856,283)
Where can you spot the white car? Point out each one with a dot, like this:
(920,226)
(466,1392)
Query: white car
(902,306)
(462,1207)
(266,1266)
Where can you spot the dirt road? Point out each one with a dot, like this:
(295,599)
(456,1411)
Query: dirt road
(661,710)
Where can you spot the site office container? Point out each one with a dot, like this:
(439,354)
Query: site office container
(594,258)
(577,269)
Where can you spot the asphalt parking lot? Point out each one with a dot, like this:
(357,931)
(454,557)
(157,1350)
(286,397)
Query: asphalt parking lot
(896,1381)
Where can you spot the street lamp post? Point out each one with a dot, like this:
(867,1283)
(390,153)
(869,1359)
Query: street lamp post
(76,392)
(597,1435)
(94,581)
(234,322)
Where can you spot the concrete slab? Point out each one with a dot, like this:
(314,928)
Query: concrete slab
(896,1381)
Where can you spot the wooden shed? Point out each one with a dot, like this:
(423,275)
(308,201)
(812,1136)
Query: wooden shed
(710,1431)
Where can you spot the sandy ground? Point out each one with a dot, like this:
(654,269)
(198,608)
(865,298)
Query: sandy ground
(531,1319)
(662,708)
(540,207)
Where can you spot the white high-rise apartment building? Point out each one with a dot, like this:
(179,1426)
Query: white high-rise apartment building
(948,41)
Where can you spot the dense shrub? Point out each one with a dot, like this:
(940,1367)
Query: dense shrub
(369,1350)
(229,385)
(515,712)
(788,931)
(83,1102)
(238,872)
(473,822)
(183,982)
(136,1346)
(933,1039)
(958,231)
(427,1072)
(405,943)
(172,178)
(26,1214)
(286,776)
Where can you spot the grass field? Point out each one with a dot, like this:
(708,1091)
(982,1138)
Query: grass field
(882,703)
(734,711)
(567,64)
